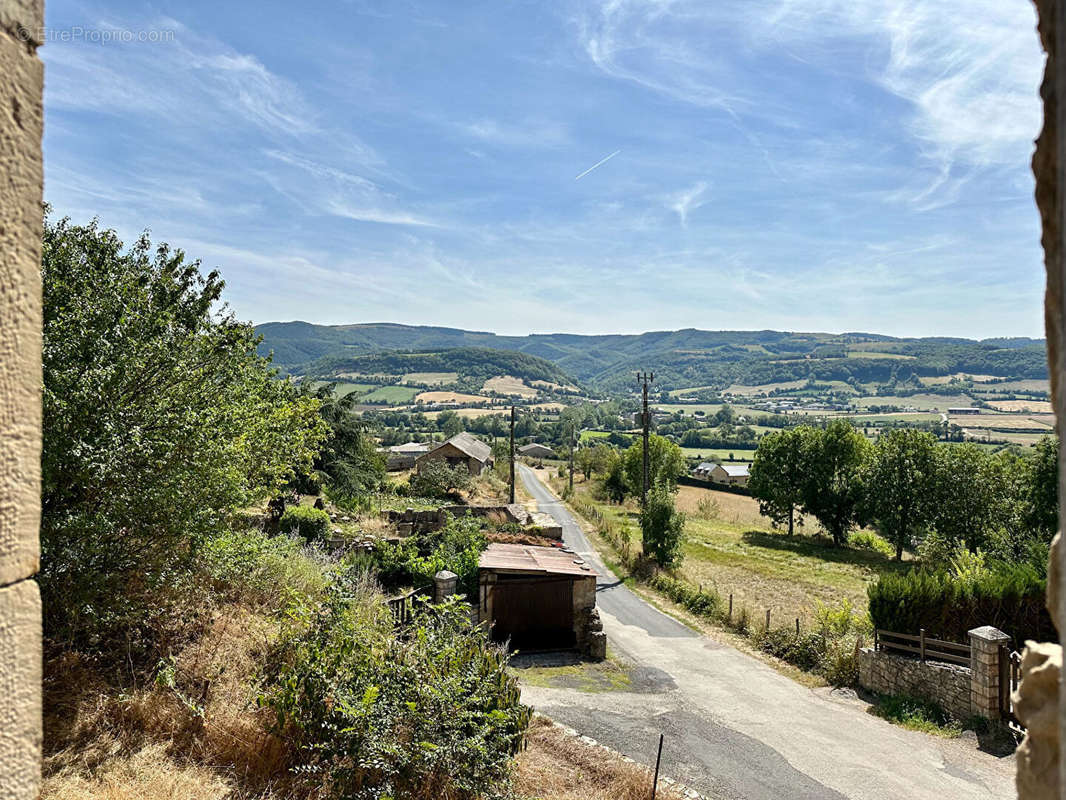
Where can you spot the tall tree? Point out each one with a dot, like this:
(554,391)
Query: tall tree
(1040,482)
(778,474)
(832,488)
(666,463)
(970,494)
(159,419)
(900,485)
(348,462)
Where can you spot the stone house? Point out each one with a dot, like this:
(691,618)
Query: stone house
(463,449)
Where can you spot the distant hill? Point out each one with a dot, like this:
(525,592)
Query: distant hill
(680,359)
(468,363)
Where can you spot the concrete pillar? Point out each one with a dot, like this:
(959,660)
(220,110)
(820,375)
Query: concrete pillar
(984,678)
(444,583)
(21,120)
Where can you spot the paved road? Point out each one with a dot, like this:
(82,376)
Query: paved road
(735,728)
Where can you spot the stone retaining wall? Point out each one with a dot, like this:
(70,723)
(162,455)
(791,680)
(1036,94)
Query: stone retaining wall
(947,685)
(411,521)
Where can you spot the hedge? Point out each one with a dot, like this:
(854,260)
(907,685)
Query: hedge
(311,523)
(1011,598)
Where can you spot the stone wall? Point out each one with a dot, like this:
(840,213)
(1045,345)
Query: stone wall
(947,685)
(411,521)
(21,119)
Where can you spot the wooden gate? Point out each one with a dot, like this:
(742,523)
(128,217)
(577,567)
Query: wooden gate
(534,614)
(1010,675)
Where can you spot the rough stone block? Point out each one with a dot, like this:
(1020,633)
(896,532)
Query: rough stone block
(597,646)
(20,691)
(24,18)
(20,300)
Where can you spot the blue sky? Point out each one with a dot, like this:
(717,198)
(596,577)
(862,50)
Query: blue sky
(831,165)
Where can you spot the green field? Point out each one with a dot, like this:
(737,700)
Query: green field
(923,402)
(392,394)
(344,388)
(719,453)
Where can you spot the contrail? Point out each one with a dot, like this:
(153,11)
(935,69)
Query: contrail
(597,164)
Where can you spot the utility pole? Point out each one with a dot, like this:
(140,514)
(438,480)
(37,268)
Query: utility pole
(511,451)
(571,457)
(645,378)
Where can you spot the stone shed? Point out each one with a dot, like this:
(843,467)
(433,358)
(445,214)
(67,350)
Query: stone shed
(463,449)
(540,598)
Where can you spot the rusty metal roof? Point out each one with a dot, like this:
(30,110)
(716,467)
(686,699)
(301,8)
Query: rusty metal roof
(528,558)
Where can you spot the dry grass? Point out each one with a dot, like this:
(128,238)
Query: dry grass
(1030,422)
(508,384)
(559,767)
(199,737)
(469,413)
(450,397)
(1031,406)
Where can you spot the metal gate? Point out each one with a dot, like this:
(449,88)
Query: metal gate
(534,614)
(1010,675)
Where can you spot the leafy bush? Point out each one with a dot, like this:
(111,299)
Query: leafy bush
(416,559)
(310,523)
(704,603)
(249,566)
(432,715)
(435,478)
(868,540)
(916,714)
(804,651)
(1008,597)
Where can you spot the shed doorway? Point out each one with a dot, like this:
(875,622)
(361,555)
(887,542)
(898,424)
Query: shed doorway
(534,613)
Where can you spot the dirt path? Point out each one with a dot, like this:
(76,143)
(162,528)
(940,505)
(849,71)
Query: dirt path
(736,728)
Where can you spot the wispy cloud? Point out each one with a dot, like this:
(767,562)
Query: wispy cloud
(688,200)
(527,134)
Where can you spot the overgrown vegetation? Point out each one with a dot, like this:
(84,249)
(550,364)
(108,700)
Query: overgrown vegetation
(199,645)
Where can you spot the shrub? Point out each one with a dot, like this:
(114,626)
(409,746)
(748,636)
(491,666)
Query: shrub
(868,540)
(1008,597)
(433,715)
(246,565)
(708,508)
(703,603)
(457,546)
(435,478)
(662,527)
(805,650)
(310,523)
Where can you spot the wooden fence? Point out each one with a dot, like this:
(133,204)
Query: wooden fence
(922,646)
(402,607)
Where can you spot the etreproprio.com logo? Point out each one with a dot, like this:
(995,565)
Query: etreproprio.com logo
(78,33)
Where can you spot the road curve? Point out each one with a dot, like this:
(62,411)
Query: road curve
(734,727)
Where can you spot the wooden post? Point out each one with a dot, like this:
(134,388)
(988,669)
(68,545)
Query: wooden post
(767,619)
(797,626)
(921,642)
(658,758)
(512,457)
(731,606)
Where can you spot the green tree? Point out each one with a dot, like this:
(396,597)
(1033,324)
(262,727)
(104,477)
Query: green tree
(832,488)
(348,461)
(969,494)
(159,419)
(778,474)
(435,478)
(900,484)
(662,528)
(449,423)
(1040,489)
(666,463)
(614,482)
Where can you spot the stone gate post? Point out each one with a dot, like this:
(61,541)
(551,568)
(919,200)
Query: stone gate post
(984,679)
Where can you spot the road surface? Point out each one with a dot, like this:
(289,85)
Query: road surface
(736,728)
